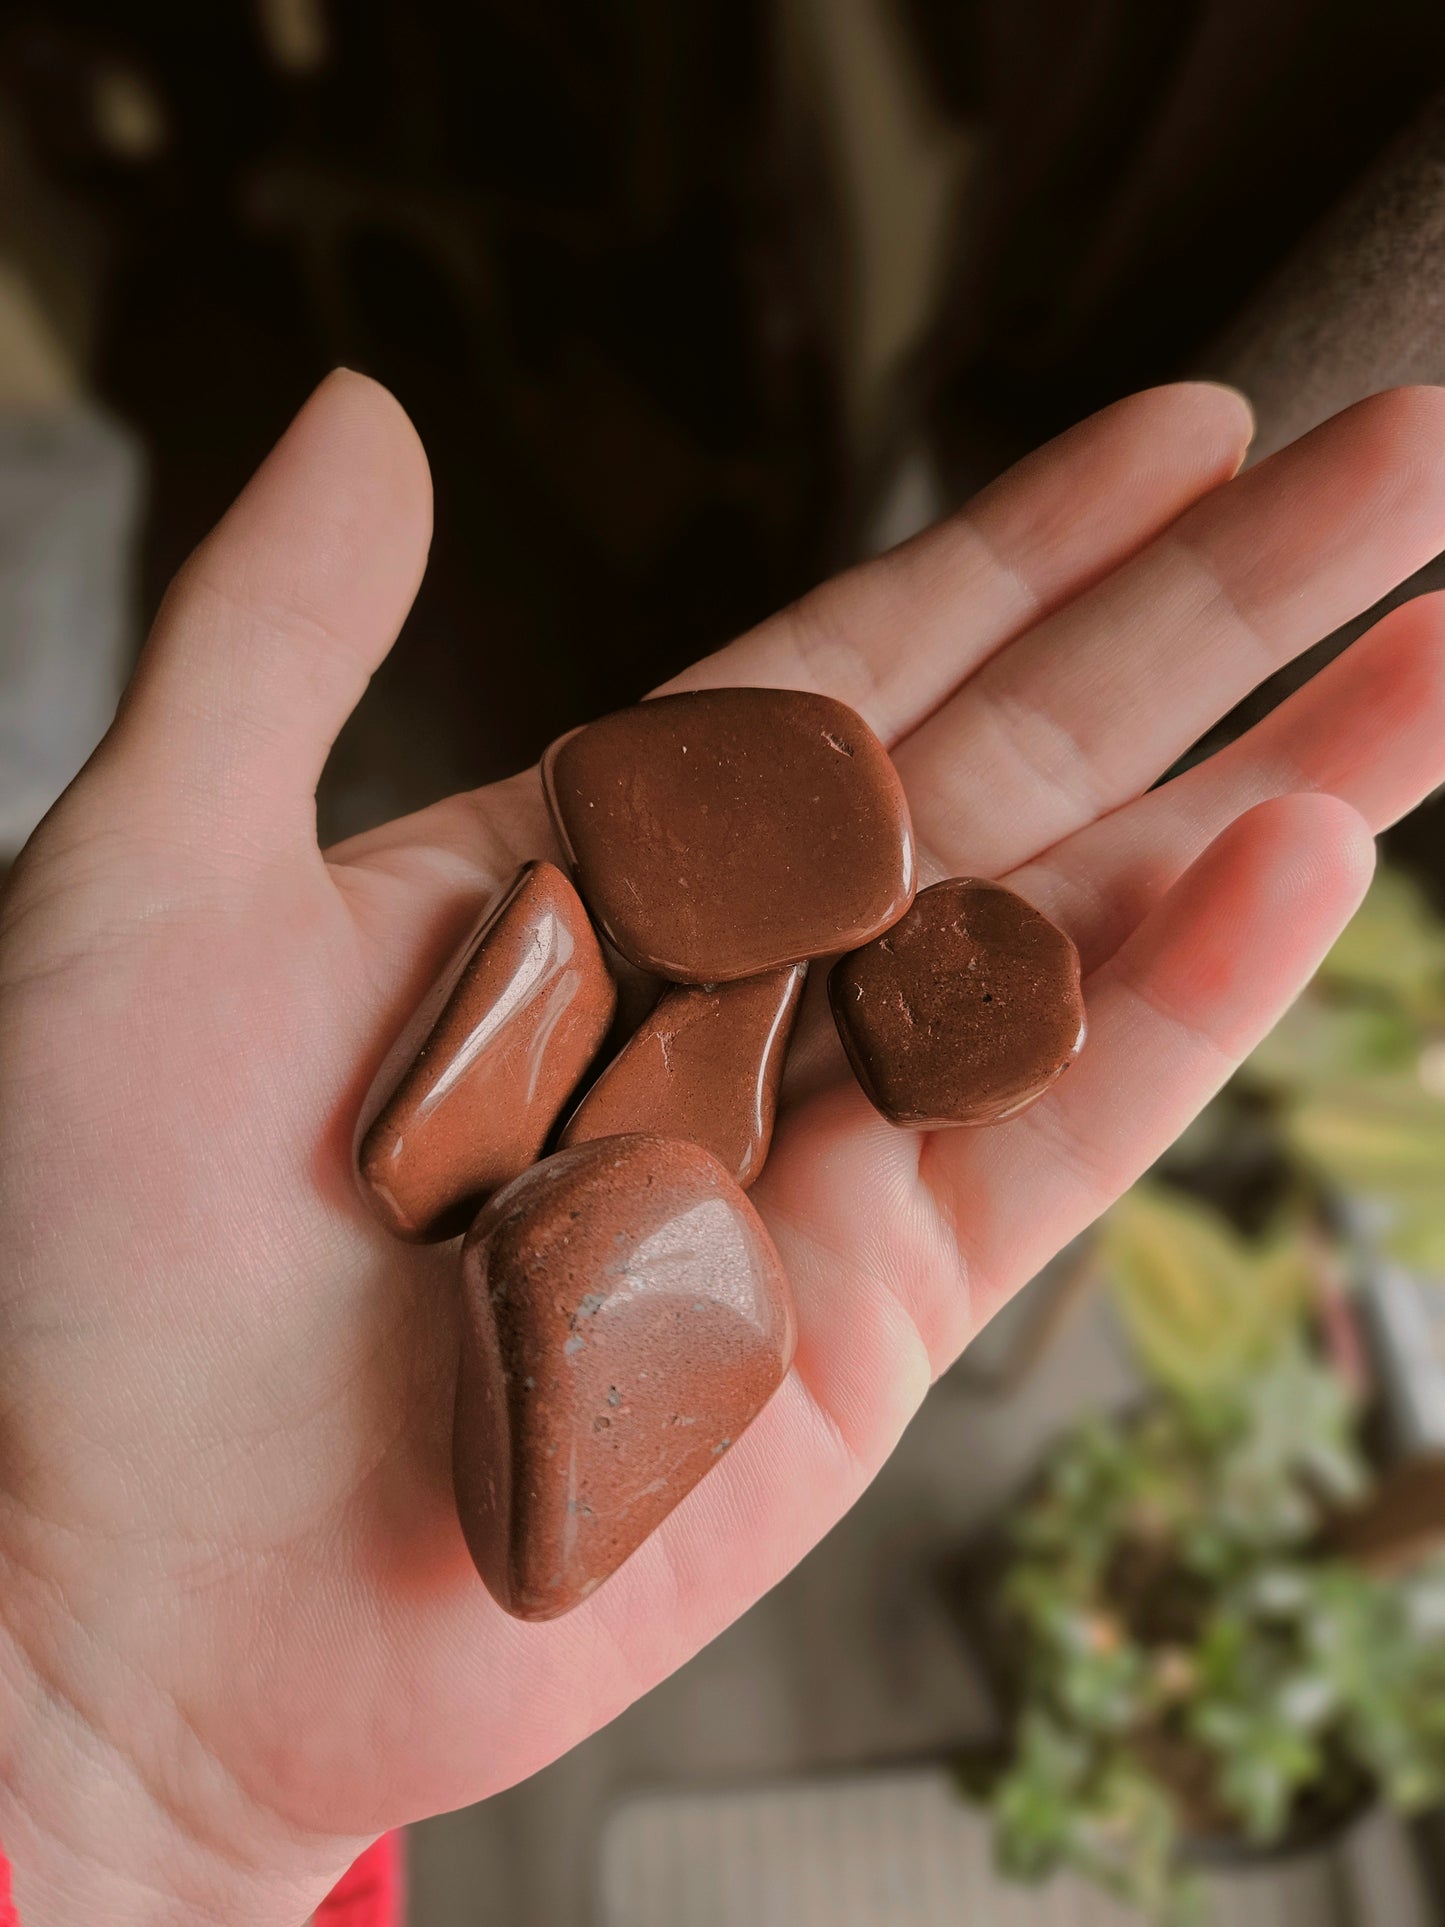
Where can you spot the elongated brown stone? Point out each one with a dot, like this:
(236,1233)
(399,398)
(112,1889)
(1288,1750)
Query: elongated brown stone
(625,1316)
(706,1065)
(474,1084)
(965,1011)
(724,832)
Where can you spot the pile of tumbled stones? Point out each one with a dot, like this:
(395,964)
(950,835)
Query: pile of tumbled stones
(625,1314)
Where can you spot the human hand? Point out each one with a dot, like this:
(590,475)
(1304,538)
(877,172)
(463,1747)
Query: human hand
(239,1631)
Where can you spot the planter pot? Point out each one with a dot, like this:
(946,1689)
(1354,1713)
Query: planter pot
(1317,1827)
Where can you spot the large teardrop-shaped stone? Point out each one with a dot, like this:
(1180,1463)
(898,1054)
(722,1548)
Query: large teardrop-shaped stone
(965,1011)
(706,1065)
(472,1087)
(724,832)
(624,1318)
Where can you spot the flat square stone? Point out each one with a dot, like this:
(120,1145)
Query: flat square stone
(725,832)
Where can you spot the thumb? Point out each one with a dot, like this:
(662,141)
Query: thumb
(269,634)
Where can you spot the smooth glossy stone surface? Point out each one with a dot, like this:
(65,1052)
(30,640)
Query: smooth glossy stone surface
(624,1317)
(474,1084)
(721,833)
(706,1065)
(965,1012)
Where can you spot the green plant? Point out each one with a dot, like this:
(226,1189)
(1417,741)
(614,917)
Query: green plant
(1354,1076)
(1191,1658)
(1201,1302)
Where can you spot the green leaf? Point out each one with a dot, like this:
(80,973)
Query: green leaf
(1201,1304)
(1394,945)
(1382,1139)
(1318,1043)
(1386,1135)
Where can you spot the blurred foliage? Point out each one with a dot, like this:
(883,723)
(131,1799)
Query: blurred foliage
(1193,1661)
(1202,1303)
(1355,1072)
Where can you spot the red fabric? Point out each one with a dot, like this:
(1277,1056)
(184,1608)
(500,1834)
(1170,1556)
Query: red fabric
(369,1896)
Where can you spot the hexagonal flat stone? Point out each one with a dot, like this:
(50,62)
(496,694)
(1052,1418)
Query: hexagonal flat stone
(481,1073)
(625,1317)
(965,1011)
(725,832)
(706,1065)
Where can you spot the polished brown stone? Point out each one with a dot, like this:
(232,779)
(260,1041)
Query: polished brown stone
(724,832)
(706,1065)
(474,1084)
(965,1011)
(624,1317)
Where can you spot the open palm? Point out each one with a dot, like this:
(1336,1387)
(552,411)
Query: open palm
(239,1632)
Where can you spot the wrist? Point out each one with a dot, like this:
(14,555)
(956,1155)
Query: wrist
(91,1837)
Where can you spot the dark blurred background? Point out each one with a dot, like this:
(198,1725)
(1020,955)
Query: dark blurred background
(693,302)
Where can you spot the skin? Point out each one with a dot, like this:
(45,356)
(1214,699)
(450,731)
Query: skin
(239,1633)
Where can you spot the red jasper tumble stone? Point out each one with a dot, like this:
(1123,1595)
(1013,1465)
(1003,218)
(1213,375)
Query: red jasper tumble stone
(725,832)
(624,1317)
(474,1084)
(965,1011)
(706,1065)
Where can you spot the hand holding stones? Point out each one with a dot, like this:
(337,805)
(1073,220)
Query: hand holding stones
(625,1314)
